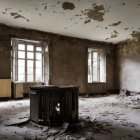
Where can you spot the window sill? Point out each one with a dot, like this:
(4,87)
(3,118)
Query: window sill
(97,83)
(29,82)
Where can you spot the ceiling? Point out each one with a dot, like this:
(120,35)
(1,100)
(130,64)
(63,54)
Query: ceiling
(100,20)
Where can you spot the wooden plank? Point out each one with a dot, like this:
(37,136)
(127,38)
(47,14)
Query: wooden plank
(34,107)
(5,88)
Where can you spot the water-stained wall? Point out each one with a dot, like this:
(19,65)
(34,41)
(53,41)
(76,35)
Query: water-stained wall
(68,58)
(128,71)
(5,55)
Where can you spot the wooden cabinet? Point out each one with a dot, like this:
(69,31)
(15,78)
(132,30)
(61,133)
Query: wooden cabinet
(54,105)
(5,88)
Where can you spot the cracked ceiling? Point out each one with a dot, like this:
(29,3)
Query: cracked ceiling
(100,20)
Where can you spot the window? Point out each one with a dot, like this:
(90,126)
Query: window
(96,66)
(27,61)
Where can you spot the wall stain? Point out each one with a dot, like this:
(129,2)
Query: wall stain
(131,47)
(16,15)
(68,6)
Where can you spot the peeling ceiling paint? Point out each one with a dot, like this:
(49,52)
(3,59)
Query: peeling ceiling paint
(101,20)
(68,5)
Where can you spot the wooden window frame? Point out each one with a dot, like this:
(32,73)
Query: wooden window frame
(98,51)
(15,50)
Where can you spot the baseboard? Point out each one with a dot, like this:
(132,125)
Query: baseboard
(109,92)
(5,98)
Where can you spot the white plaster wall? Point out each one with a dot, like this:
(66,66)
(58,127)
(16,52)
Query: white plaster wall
(130,74)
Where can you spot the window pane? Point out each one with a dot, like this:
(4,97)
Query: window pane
(29,78)
(95,67)
(95,55)
(30,47)
(38,56)
(21,63)
(38,64)
(30,55)
(29,63)
(38,71)
(38,49)
(21,54)
(21,78)
(89,78)
(29,70)
(21,70)
(38,78)
(21,47)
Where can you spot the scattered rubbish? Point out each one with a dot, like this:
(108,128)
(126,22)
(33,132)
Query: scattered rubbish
(124,92)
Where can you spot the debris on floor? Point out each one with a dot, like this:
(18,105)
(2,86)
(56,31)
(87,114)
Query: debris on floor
(100,118)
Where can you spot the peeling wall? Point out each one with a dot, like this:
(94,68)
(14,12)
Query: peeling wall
(128,71)
(68,58)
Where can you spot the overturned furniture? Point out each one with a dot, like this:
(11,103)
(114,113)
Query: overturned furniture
(50,105)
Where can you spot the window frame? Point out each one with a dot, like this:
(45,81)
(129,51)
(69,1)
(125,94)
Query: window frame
(35,44)
(98,51)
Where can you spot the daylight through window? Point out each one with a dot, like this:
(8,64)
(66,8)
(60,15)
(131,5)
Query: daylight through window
(27,61)
(96,65)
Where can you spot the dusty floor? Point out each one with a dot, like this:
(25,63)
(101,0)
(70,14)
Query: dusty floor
(101,118)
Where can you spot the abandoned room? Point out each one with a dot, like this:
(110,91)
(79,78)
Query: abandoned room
(70,70)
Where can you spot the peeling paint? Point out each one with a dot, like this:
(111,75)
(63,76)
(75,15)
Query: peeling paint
(107,38)
(16,15)
(45,6)
(116,24)
(68,6)
(126,28)
(96,13)
(97,17)
(3,12)
(133,34)
(87,21)
(114,34)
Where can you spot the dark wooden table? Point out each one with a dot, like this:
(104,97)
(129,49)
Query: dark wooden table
(50,105)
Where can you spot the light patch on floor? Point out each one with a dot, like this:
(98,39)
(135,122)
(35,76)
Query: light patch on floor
(101,118)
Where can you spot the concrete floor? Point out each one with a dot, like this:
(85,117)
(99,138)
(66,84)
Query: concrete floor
(101,118)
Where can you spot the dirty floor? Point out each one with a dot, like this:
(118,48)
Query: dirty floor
(100,118)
